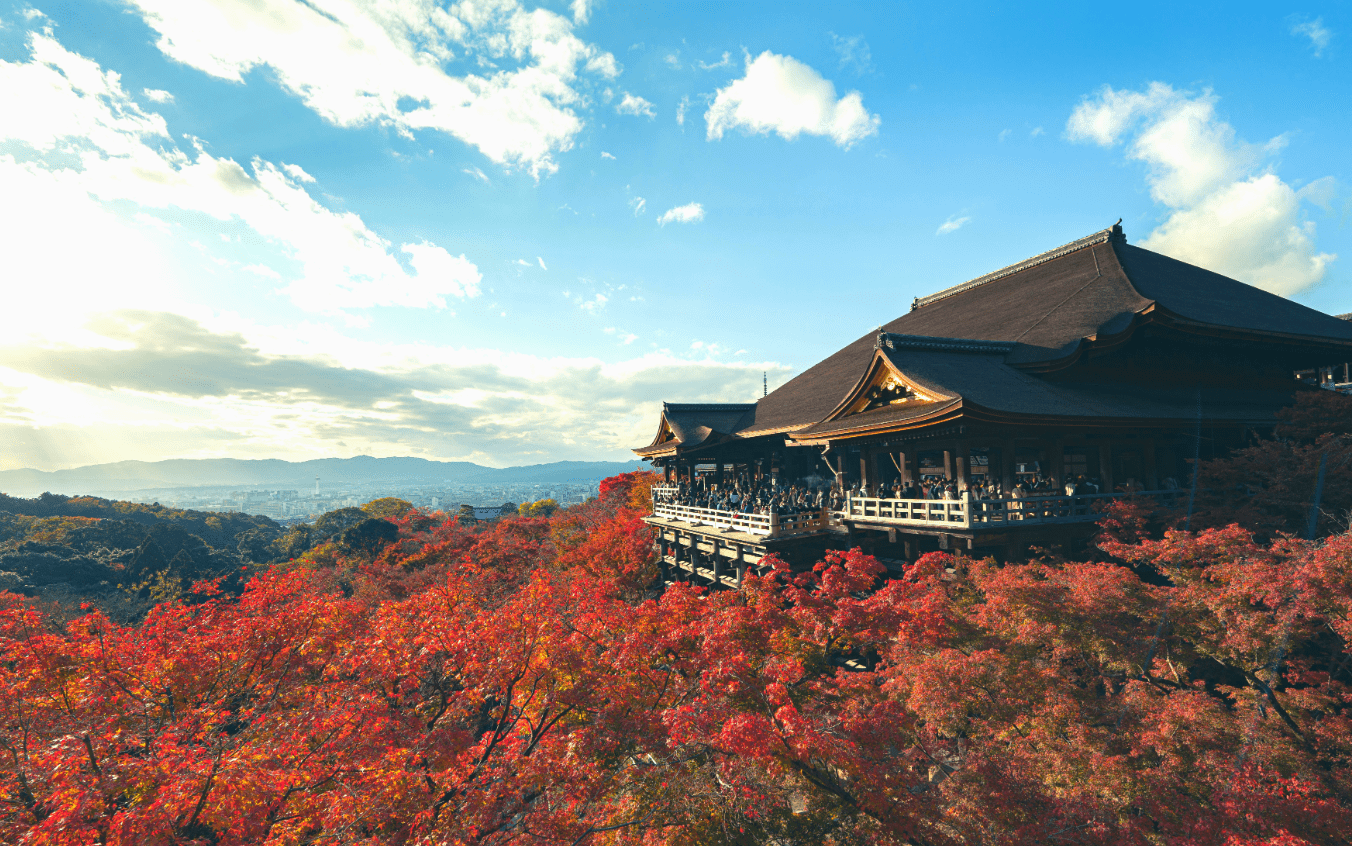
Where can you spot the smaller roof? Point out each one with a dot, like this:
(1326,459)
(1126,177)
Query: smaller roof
(685,426)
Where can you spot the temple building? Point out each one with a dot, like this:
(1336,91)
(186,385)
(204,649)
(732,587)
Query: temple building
(995,414)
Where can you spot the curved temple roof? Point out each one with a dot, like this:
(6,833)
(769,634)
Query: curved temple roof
(986,333)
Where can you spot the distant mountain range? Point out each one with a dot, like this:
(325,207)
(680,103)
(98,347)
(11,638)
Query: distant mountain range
(126,476)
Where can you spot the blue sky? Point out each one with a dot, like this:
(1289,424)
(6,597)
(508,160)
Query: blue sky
(504,233)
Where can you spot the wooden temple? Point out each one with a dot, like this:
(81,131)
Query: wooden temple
(1097,362)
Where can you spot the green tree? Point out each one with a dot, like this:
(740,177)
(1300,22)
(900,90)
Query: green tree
(387,508)
(539,508)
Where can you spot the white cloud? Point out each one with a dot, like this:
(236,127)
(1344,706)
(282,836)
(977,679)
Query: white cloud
(724,62)
(477,173)
(606,155)
(87,162)
(151,386)
(632,105)
(156,95)
(1037,130)
(853,52)
(522,263)
(1319,35)
(581,10)
(673,60)
(542,263)
(638,204)
(1227,212)
(781,94)
(688,213)
(953,224)
(357,64)
(594,304)
(1004,133)
(680,110)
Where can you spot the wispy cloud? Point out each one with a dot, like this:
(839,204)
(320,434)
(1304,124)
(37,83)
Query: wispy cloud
(680,110)
(724,62)
(688,213)
(477,173)
(542,263)
(853,52)
(595,304)
(156,95)
(638,204)
(953,224)
(634,105)
(1320,36)
(357,64)
(606,155)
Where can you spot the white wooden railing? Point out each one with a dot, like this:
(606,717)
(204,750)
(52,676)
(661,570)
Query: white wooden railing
(967,513)
(770,525)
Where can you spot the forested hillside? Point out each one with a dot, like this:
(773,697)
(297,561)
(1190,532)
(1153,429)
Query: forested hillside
(414,679)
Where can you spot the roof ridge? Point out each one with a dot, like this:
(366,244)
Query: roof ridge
(1112,233)
(708,406)
(898,340)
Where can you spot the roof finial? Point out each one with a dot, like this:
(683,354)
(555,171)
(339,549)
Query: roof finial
(1115,233)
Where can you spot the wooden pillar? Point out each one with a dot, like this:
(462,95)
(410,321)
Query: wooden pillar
(863,469)
(963,454)
(1056,455)
(948,463)
(905,460)
(875,478)
(718,473)
(1007,466)
(1152,476)
(1106,467)
(717,565)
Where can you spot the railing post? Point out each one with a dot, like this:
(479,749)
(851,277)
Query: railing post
(967,509)
(774,523)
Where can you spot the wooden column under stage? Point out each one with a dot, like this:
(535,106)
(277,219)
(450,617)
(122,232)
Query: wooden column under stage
(960,460)
(1106,467)
(1056,457)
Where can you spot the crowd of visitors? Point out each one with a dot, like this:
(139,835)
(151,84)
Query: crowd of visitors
(744,495)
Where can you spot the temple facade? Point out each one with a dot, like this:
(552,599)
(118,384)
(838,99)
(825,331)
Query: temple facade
(994,415)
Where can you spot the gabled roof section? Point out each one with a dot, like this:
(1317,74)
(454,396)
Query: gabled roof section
(684,426)
(1201,296)
(1039,308)
(1115,231)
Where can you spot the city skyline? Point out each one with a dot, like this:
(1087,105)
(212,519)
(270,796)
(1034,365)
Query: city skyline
(504,233)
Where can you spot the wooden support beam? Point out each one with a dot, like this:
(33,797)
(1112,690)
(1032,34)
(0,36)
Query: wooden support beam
(1106,467)
(963,450)
(904,461)
(948,463)
(1057,458)
(1007,465)
(1152,476)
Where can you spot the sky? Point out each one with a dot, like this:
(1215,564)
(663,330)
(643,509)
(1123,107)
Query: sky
(505,232)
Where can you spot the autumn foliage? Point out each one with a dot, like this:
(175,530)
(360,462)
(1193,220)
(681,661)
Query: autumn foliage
(522,682)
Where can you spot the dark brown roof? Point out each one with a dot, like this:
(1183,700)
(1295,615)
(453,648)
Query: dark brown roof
(697,424)
(1205,297)
(1045,306)
(986,384)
